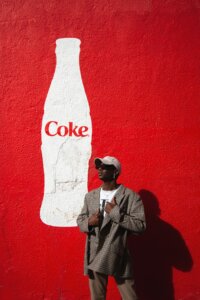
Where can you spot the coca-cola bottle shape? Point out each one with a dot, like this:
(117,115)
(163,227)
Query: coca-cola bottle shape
(66,139)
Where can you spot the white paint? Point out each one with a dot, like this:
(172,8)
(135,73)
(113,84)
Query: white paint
(65,159)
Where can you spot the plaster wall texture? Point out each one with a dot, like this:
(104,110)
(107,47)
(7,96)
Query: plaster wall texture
(140,63)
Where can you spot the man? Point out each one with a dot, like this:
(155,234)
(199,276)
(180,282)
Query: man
(108,215)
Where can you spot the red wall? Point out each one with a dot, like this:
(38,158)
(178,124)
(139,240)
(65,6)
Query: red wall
(140,63)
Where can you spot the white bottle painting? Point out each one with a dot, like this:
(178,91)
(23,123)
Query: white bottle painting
(66,139)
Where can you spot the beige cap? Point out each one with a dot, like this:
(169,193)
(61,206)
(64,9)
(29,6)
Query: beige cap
(109,160)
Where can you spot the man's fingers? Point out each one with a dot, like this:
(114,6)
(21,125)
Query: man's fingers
(114,201)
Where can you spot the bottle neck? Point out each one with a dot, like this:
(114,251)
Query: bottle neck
(67,61)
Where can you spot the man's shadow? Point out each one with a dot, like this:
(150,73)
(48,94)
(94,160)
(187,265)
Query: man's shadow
(155,253)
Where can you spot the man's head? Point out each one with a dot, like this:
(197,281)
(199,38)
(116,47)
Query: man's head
(108,167)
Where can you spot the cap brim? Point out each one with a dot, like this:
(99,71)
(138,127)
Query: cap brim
(104,161)
(98,161)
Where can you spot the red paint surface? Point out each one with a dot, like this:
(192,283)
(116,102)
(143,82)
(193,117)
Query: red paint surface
(140,64)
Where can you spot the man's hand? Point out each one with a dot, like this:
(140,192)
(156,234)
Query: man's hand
(94,219)
(109,205)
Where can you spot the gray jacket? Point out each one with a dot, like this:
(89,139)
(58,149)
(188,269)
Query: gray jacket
(106,251)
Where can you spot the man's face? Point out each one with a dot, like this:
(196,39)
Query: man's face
(106,172)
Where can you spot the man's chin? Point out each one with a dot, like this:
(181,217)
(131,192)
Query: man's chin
(105,179)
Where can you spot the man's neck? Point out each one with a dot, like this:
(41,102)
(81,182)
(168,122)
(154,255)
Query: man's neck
(110,185)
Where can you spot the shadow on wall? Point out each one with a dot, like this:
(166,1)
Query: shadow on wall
(156,252)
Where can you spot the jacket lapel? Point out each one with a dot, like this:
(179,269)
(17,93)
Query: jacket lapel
(120,194)
(96,199)
(106,220)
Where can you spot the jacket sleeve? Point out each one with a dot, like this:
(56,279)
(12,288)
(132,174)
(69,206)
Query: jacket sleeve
(82,220)
(132,219)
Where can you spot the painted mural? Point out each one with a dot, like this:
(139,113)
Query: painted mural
(124,82)
(66,139)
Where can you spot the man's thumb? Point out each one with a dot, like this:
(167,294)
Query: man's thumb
(114,200)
